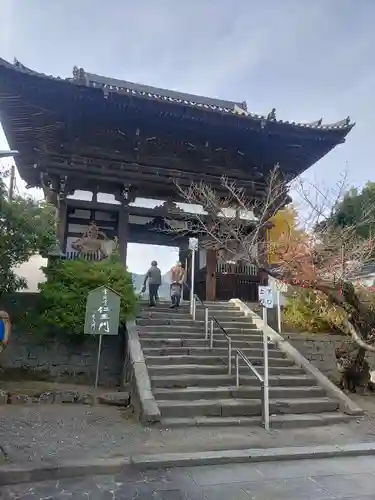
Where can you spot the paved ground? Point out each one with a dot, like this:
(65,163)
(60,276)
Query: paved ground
(60,432)
(304,480)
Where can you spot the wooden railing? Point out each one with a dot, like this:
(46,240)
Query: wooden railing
(238,269)
(74,255)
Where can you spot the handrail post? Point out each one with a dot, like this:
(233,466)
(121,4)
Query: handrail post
(229,357)
(206,323)
(192,278)
(194,307)
(262,404)
(266,402)
(237,370)
(211,334)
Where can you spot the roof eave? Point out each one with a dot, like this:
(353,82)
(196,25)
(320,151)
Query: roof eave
(237,109)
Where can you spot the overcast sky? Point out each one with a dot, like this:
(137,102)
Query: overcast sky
(307,58)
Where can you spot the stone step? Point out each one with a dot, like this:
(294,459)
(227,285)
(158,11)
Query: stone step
(225,322)
(154,312)
(185,308)
(211,360)
(222,303)
(219,369)
(248,392)
(238,324)
(204,350)
(291,421)
(189,380)
(194,328)
(250,336)
(197,331)
(186,303)
(151,341)
(243,407)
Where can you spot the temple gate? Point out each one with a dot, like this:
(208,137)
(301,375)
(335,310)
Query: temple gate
(105,135)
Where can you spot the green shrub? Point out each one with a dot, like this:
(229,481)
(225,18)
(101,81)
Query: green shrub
(62,298)
(308,310)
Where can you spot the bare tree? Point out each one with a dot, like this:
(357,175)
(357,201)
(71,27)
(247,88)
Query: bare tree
(313,253)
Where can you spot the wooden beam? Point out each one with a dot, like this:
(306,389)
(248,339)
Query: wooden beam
(91,205)
(110,233)
(145,238)
(85,222)
(133,211)
(156,187)
(166,162)
(137,212)
(118,169)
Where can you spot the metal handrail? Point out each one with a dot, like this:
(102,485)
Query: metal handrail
(228,338)
(264,386)
(239,354)
(195,297)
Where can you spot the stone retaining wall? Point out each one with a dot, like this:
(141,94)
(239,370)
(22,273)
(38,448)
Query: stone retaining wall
(64,396)
(319,349)
(29,357)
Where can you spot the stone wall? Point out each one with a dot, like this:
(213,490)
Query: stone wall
(26,356)
(29,356)
(319,349)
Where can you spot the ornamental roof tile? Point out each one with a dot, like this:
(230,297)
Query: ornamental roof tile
(80,77)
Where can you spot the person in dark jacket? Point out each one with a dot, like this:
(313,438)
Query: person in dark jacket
(153,276)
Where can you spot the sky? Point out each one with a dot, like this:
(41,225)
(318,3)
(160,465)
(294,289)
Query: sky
(307,59)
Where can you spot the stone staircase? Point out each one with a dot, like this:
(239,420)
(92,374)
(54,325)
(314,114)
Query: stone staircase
(191,384)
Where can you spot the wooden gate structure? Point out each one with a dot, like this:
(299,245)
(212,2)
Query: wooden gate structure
(105,135)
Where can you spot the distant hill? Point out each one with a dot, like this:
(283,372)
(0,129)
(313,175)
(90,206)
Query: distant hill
(164,292)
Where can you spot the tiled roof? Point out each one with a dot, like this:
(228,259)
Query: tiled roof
(80,77)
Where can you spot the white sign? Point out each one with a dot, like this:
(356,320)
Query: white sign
(281,286)
(265,296)
(193,243)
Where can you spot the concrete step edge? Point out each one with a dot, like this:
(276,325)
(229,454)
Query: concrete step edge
(199,340)
(223,367)
(279,421)
(256,337)
(233,388)
(243,401)
(210,358)
(180,377)
(193,328)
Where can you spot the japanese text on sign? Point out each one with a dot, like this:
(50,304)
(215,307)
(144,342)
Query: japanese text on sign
(265,296)
(102,312)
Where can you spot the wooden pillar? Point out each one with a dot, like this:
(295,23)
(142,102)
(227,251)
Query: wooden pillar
(211,260)
(56,193)
(124,195)
(62,224)
(263,253)
(123,231)
(183,257)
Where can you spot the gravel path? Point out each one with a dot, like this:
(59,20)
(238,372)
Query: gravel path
(60,432)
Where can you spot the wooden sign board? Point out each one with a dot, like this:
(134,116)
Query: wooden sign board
(102,312)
